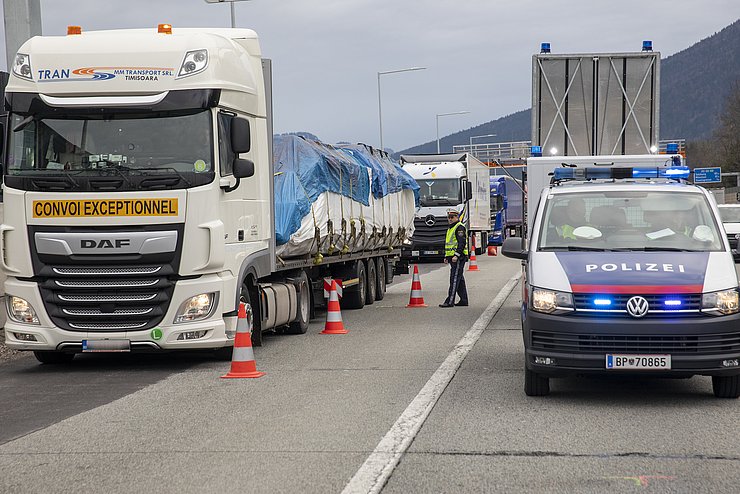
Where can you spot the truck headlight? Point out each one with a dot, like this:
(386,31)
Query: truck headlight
(19,310)
(550,301)
(196,308)
(194,62)
(22,66)
(724,302)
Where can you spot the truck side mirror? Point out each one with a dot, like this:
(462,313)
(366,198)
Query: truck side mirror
(243,168)
(241,139)
(736,256)
(514,248)
(468,190)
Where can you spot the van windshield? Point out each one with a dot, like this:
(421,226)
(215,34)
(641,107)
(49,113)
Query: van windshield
(629,220)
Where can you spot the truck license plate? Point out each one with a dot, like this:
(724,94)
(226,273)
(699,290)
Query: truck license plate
(431,252)
(638,362)
(106,345)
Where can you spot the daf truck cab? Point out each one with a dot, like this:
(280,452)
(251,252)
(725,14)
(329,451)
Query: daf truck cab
(627,271)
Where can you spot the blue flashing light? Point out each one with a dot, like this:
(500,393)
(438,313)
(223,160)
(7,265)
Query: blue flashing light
(544,47)
(572,173)
(647,45)
(671,148)
(672,303)
(675,172)
(602,302)
(536,151)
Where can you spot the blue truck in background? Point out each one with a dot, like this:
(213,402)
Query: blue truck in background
(507,209)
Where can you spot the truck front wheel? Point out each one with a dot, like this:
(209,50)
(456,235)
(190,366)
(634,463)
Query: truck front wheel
(535,384)
(54,357)
(726,386)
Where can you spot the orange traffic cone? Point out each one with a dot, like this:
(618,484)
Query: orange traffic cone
(416,299)
(473,261)
(492,250)
(242,361)
(334,323)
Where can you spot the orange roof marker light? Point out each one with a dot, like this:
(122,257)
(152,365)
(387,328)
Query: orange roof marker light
(164,29)
(74,30)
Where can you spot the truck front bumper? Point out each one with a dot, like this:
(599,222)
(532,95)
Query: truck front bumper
(19,336)
(701,345)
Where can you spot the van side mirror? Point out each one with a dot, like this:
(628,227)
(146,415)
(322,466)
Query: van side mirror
(241,139)
(514,248)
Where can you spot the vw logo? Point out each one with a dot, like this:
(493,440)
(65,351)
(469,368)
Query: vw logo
(429,220)
(637,307)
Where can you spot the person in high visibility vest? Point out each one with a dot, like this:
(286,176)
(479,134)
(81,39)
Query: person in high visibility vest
(456,255)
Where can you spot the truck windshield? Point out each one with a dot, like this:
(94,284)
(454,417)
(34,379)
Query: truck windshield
(142,151)
(497,203)
(629,220)
(440,192)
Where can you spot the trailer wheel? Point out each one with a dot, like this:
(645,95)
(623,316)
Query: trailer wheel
(54,358)
(390,271)
(726,386)
(300,325)
(246,297)
(380,285)
(372,282)
(535,384)
(355,299)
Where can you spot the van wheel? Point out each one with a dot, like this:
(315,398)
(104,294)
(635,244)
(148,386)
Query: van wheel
(726,386)
(372,282)
(246,297)
(380,285)
(300,325)
(535,384)
(54,358)
(355,299)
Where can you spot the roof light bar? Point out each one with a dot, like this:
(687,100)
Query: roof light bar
(569,173)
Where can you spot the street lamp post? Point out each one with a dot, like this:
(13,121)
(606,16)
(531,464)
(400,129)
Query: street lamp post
(233,15)
(444,115)
(380,108)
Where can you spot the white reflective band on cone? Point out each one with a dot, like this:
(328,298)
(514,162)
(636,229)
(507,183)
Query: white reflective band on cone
(415,293)
(333,317)
(243,354)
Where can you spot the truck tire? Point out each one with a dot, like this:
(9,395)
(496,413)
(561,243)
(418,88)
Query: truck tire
(390,271)
(372,281)
(54,358)
(246,296)
(355,298)
(303,287)
(535,384)
(726,386)
(380,285)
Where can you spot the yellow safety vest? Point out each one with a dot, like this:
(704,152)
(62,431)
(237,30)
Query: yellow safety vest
(451,240)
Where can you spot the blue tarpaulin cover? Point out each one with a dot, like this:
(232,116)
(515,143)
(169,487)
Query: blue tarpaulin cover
(304,169)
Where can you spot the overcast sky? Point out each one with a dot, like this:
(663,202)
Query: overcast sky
(326,53)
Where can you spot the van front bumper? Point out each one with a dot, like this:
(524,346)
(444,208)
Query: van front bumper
(575,344)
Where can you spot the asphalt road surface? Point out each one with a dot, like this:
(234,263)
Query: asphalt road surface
(322,418)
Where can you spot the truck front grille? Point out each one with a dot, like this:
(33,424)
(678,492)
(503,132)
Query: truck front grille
(429,235)
(649,344)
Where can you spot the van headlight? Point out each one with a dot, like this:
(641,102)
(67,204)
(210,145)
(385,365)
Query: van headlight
(551,302)
(196,308)
(721,303)
(19,310)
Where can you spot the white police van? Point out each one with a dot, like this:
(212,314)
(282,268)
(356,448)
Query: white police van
(628,271)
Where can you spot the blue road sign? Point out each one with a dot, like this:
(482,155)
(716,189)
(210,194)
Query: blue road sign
(707,175)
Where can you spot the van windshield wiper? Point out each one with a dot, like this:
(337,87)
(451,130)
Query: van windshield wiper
(574,248)
(669,249)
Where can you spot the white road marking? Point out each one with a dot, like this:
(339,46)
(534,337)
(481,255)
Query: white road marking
(377,469)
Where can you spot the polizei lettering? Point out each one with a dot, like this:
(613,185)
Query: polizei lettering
(636,266)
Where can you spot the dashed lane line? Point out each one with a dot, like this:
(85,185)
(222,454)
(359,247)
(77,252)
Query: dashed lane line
(377,469)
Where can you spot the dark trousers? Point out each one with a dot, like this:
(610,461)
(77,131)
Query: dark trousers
(457,281)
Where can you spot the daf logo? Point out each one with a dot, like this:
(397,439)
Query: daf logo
(637,307)
(104,243)
(429,220)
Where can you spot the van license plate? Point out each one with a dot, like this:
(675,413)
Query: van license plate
(106,345)
(638,362)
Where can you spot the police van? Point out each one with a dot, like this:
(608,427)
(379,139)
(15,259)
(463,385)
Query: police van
(627,271)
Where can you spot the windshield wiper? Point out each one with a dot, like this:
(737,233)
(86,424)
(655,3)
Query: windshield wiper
(574,248)
(669,249)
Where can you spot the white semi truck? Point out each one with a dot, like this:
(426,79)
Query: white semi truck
(457,181)
(138,192)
